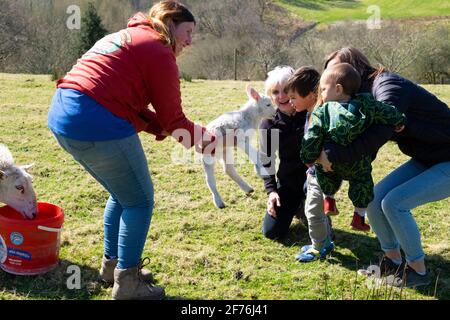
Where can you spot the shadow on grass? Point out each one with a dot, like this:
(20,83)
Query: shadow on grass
(440,274)
(56,284)
(367,251)
(296,236)
(53,285)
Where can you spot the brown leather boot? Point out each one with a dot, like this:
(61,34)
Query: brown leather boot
(108,266)
(128,285)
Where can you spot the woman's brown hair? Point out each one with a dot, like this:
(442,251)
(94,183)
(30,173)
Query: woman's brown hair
(360,62)
(167,14)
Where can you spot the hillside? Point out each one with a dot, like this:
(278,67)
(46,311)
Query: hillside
(326,11)
(264,33)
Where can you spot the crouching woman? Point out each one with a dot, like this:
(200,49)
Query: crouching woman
(423,179)
(284,134)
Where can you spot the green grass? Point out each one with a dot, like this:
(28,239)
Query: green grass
(196,250)
(326,11)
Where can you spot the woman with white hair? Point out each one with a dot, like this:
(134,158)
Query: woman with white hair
(283,134)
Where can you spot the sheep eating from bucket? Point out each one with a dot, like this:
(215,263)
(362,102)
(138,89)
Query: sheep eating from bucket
(16,189)
(233,129)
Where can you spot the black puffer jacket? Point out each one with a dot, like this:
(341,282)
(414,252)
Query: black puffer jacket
(426,137)
(291,171)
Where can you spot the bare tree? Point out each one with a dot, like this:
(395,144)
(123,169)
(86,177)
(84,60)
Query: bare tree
(13,32)
(393,48)
(269,52)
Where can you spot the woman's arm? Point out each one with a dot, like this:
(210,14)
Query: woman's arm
(368,143)
(153,125)
(163,85)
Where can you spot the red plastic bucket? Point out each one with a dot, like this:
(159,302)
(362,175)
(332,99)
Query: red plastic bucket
(30,247)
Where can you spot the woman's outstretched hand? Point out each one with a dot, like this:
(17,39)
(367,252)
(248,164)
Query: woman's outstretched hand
(274,200)
(207,145)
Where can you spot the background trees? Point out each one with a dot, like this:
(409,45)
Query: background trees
(91,30)
(249,36)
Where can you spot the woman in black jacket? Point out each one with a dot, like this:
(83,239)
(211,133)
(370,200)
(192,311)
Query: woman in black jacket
(424,178)
(283,134)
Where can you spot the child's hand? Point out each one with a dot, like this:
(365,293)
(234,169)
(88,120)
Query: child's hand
(324,162)
(399,128)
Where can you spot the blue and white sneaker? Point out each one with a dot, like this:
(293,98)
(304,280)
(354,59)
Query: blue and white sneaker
(309,253)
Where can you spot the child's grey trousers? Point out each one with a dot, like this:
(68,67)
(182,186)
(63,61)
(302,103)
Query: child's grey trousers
(319,226)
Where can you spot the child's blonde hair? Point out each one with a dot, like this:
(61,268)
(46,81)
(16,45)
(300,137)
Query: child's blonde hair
(167,14)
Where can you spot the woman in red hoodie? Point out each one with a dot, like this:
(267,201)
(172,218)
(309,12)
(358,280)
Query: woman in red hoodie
(98,110)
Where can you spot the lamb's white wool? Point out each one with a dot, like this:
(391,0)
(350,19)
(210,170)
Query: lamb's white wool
(6,158)
(16,189)
(236,129)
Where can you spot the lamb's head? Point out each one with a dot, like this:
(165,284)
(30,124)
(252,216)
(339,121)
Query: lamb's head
(16,189)
(264,105)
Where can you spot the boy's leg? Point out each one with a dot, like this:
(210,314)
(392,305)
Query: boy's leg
(361,194)
(361,186)
(329,182)
(319,227)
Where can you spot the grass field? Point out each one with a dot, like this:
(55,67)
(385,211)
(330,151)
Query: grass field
(325,11)
(196,250)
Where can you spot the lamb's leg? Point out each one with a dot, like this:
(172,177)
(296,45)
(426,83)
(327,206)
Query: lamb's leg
(208,167)
(230,170)
(253,155)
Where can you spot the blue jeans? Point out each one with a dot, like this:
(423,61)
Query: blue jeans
(120,166)
(404,189)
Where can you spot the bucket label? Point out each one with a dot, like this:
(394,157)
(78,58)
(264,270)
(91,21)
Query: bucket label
(3,251)
(19,254)
(16,238)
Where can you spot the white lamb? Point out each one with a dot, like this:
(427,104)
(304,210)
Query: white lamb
(16,189)
(236,129)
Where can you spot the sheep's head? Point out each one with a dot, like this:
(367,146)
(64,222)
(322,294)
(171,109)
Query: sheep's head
(16,190)
(266,109)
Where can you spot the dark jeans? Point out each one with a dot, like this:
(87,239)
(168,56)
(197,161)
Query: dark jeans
(292,202)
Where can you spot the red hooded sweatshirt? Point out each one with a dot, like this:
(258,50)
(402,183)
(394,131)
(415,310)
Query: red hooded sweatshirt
(128,70)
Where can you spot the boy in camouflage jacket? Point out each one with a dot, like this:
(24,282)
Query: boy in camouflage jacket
(341,118)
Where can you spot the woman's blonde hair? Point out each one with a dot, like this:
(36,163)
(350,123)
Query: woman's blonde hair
(279,75)
(167,14)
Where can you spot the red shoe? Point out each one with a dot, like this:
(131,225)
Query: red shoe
(329,207)
(359,223)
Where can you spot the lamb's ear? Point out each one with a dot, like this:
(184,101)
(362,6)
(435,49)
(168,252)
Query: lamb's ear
(253,94)
(27,166)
